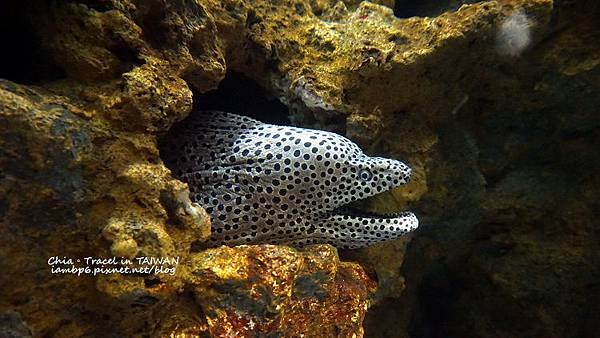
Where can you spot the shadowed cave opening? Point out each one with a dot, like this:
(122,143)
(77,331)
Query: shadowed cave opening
(23,59)
(410,8)
(241,95)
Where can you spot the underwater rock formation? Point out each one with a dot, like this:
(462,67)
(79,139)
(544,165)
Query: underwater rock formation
(510,248)
(275,290)
(508,211)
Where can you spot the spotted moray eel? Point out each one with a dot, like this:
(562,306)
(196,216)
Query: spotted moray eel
(264,183)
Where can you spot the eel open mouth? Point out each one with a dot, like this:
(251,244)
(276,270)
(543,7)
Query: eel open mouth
(361,209)
(353,210)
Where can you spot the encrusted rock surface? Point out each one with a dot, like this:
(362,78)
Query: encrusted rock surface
(271,290)
(507,210)
(509,239)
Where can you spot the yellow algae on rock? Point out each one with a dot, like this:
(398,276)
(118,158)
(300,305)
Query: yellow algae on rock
(70,178)
(82,176)
(267,289)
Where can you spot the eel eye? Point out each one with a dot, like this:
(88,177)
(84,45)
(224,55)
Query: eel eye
(365,174)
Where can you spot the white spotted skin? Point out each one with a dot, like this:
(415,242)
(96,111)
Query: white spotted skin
(263,183)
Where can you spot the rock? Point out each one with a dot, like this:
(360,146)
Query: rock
(507,241)
(12,326)
(273,290)
(66,177)
(503,147)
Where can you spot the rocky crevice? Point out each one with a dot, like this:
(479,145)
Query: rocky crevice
(502,147)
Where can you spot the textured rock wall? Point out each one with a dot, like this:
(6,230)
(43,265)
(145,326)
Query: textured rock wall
(509,247)
(503,149)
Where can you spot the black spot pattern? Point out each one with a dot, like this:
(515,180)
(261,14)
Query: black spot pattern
(264,183)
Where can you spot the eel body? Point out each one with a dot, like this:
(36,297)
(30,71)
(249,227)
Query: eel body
(264,183)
